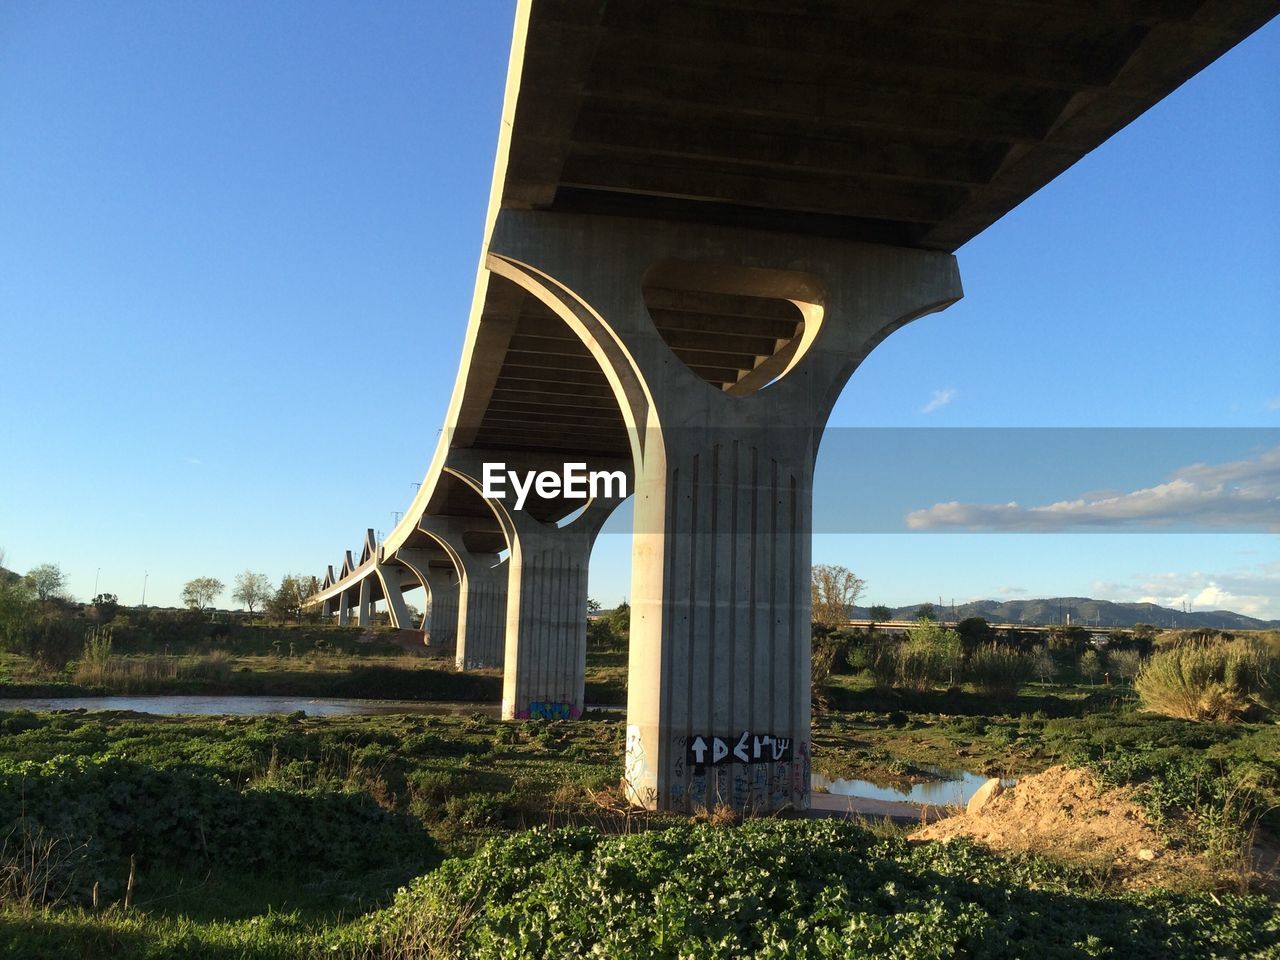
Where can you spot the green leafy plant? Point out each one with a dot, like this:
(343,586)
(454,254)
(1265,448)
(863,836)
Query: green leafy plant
(782,889)
(931,655)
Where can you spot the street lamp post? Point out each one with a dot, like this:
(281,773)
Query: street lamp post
(145,574)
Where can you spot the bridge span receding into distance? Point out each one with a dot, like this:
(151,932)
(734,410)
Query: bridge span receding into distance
(704,215)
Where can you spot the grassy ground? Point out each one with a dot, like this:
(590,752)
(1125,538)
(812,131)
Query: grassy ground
(420,789)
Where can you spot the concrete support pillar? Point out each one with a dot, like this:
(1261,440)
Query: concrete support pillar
(482,595)
(718,704)
(440,583)
(364,609)
(326,609)
(442,627)
(546,621)
(344,609)
(546,630)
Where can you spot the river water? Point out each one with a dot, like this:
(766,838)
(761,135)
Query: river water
(953,788)
(255,706)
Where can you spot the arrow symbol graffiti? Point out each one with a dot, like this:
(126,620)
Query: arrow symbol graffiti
(699,749)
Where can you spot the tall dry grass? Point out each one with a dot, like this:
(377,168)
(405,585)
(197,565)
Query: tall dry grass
(999,671)
(145,672)
(1210,681)
(36,869)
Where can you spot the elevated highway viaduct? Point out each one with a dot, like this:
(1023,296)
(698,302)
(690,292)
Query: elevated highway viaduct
(704,215)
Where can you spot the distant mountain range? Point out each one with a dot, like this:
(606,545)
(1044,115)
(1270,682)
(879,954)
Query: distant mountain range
(1084,612)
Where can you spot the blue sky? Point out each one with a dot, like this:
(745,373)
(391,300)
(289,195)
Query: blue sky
(224,222)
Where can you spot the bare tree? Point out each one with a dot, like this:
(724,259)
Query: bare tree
(252,589)
(834,589)
(199,594)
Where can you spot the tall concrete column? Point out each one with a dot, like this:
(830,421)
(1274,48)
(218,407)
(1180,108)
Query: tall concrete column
(482,595)
(546,632)
(344,609)
(546,622)
(442,629)
(364,609)
(441,584)
(718,706)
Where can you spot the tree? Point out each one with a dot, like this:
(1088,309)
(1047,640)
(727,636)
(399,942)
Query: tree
(17,606)
(880,613)
(1068,638)
(294,591)
(105,607)
(1043,666)
(593,606)
(974,633)
(47,581)
(833,589)
(251,590)
(620,620)
(1091,665)
(199,594)
(926,612)
(1125,663)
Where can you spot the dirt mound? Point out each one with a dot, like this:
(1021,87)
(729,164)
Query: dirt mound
(1065,813)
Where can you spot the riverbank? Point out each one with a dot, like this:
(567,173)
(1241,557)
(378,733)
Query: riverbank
(390,675)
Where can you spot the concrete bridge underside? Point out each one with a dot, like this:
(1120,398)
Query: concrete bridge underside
(704,215)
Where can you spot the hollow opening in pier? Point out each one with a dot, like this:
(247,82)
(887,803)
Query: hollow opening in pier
(738,328)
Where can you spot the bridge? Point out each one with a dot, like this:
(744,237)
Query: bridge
(704,215)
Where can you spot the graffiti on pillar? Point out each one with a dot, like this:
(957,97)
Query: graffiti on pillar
(547,710)
(801,772)
(705,751)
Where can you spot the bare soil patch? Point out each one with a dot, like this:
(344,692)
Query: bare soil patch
(1066,814)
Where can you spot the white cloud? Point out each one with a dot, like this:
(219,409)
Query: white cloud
(1253,591)
(1240,495)
(193,460)
(1010,591)
(1273,403)
(940,399)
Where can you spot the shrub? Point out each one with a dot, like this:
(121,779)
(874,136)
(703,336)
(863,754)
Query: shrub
(110,808)
(882,662)
(826,652)
(930,655)
(52,640)
(1178,638)
(999,671)
(1218,680)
